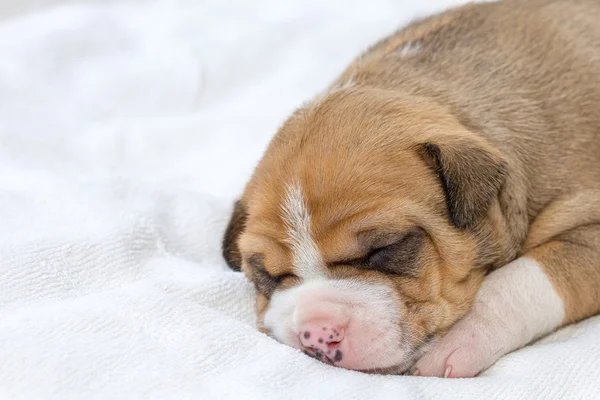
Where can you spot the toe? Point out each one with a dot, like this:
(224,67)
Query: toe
(463,363)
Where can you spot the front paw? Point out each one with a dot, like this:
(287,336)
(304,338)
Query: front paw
(470,347)
(515,305)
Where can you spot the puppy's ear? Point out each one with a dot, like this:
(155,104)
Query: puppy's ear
(236,225)
(471,174)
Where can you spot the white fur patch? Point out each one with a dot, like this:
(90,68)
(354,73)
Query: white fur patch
(283,318)
(522,298)
(515,305)
(370,311)
(307,260)
(409,49)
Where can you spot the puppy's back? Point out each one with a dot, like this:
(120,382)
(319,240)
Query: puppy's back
(524,74)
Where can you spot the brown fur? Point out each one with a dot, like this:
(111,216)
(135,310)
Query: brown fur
(235,227)
(487,138)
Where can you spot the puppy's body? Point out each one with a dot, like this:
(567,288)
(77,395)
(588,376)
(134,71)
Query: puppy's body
(526,76)
(464,143)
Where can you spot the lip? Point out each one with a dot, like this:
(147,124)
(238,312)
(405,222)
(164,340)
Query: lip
(405,368)
(390,370)
(397,370)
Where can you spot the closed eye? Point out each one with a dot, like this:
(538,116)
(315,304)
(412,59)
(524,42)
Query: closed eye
(264,282)
(377,254)
(397,258)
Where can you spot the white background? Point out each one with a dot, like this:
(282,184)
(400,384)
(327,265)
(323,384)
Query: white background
(127,129)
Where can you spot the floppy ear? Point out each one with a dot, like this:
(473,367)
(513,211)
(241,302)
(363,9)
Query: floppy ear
(236,225)
(471,174)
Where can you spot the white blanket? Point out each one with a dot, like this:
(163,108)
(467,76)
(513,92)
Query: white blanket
(127,129)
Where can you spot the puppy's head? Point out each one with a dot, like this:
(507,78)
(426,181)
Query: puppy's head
(355,227)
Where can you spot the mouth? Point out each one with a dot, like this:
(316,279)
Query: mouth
(333,355)
(330,356)
(330,322)
(325,357)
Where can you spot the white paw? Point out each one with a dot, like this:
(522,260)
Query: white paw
(515,305)
(469,348)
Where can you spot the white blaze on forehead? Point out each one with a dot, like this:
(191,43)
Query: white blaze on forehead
(307,260)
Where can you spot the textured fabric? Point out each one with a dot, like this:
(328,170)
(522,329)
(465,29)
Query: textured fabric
(127,129)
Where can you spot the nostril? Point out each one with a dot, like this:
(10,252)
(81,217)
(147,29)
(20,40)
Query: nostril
(331,353)
(333,345)
(322,341)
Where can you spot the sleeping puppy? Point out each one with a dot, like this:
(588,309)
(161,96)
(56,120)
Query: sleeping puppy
(438,206)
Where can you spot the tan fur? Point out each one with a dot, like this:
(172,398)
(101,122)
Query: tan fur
(503,101)
(414,33)
(565,240)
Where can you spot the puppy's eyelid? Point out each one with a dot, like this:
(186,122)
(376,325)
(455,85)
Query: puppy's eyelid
(381,241)
(373,252)
(400,257)
(262,279)
(395,256)
(284,276)
(257,261)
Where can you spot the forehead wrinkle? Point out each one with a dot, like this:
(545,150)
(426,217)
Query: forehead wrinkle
(306,256)
(337,236)
(344,214)
(343,236)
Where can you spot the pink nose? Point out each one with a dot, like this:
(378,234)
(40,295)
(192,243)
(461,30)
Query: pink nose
(323,341)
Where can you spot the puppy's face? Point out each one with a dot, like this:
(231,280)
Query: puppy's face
(355,228)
